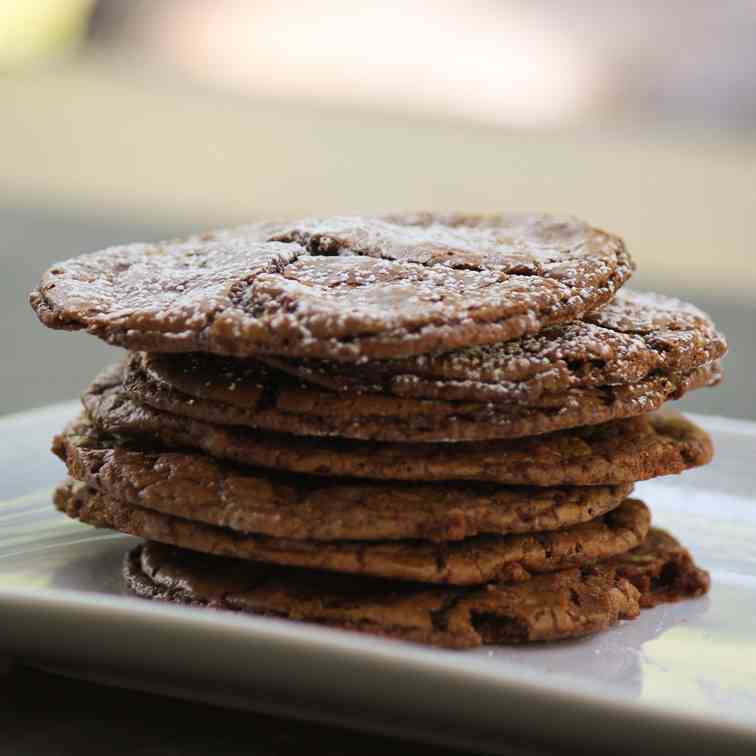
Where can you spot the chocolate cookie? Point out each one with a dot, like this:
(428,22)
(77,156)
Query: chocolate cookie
(340,288)
(199,488)
(634,337)
(625,451)
(284,406)
(472,561)
(662,570)
(564,604)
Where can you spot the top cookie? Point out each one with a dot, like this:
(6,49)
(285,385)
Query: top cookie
(340,288)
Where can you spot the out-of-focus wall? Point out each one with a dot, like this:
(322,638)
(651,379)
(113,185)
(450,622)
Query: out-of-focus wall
(131,140)
(509,62)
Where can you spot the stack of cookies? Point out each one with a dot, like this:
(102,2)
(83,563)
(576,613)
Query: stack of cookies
(420,427)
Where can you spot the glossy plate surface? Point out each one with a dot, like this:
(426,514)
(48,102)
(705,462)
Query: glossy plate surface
(680,678)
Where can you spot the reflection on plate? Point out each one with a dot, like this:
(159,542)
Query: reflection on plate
(692,664)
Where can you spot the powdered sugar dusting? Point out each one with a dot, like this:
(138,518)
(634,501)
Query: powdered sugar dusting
(345,288)
(634,336)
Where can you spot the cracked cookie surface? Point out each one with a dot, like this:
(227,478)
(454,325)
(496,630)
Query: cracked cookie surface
(340,288)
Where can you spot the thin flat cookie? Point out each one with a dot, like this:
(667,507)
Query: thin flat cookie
(566,604)
(625,451)
(269,400)
(635,337)
(340,288)
(473,561)
(285,505)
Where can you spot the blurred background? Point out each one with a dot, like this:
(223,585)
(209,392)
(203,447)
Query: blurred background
(125,121)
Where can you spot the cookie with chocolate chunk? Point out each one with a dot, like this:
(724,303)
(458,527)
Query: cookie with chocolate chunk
(565,604)
(197,487)
(662,570)
(624,451)
(552,606)
(340,288)
(472,561)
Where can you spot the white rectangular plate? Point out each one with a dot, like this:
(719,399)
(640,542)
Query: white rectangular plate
(681,678)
